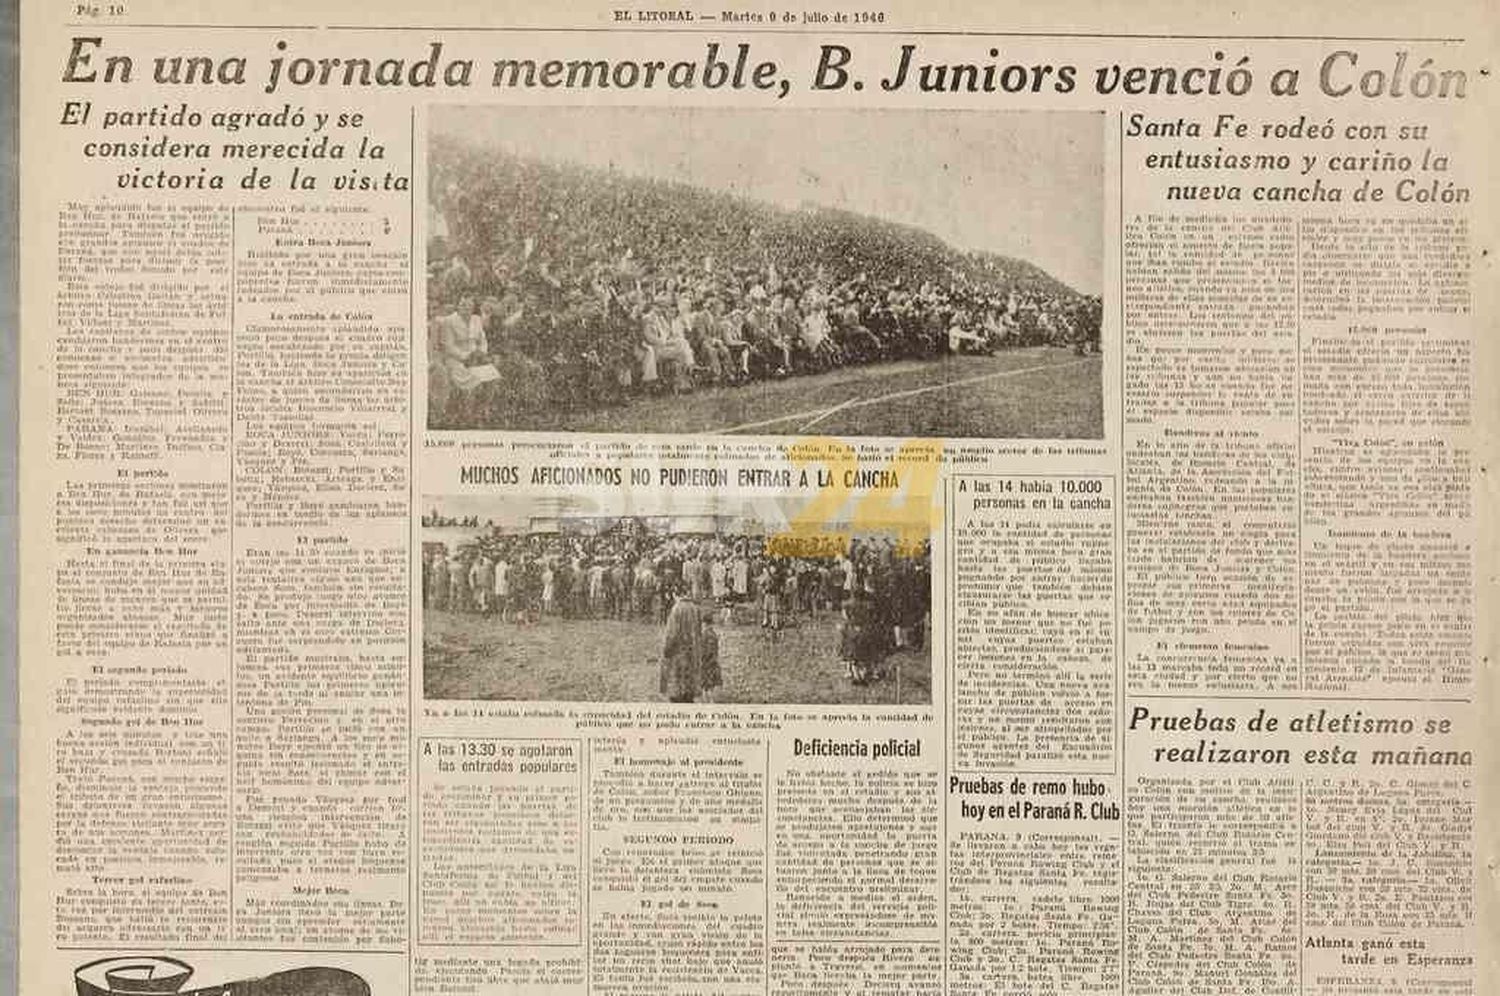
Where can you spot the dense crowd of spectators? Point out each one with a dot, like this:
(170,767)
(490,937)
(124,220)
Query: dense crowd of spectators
(882,592)
(558,286)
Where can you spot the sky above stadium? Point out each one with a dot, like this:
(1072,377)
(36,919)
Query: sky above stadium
(1024,184)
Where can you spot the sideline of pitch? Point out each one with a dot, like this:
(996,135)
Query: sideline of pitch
(815,415)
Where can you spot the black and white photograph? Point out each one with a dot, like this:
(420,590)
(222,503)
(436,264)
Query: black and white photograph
(559,599)
(681,270)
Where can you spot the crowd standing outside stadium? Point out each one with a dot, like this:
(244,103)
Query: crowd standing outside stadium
(878,591)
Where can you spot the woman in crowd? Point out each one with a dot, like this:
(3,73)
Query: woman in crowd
(665,345)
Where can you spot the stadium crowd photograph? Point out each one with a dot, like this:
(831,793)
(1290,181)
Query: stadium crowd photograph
(631,609)
(682,270)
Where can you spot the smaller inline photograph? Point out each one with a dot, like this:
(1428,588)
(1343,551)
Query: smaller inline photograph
(560,598)
(933,274)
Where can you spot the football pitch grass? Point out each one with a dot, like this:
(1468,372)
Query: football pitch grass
(1029,393)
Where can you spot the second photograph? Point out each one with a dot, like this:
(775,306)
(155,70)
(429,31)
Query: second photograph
(719,599)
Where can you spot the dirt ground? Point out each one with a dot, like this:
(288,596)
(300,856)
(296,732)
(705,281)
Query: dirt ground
(605,660)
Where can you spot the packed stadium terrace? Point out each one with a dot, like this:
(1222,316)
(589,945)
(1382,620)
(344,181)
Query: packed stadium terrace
(566,287)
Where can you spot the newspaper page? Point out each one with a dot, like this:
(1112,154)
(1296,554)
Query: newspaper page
(639,499)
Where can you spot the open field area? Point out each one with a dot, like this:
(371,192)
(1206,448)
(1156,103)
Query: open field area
(1036,392)
(469,656)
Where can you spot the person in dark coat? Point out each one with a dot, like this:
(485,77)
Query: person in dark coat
(862,642)
(911,596)
(689,654)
